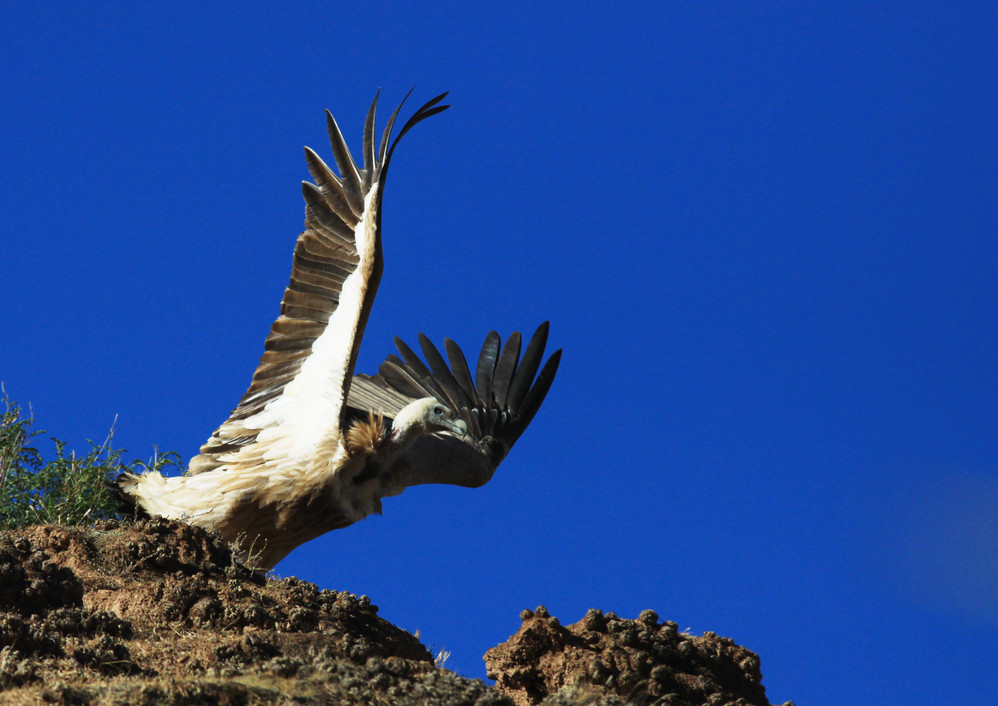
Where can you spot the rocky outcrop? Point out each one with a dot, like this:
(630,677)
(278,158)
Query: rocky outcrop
(159,612)
(608,659)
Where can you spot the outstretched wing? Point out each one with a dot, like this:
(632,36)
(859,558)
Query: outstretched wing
(295,401)
(497,403)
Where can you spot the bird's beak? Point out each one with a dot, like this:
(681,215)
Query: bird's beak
(458,427)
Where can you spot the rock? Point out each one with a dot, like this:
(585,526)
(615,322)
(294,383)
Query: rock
(160,612)
(603,659)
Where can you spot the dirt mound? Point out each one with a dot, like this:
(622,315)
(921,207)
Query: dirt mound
(602,657)
(159,612)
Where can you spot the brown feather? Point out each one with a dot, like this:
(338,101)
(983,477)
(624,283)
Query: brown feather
(364,437)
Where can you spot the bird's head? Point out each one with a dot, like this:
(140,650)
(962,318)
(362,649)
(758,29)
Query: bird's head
(427,416)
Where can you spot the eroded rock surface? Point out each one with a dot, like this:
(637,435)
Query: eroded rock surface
(159,612)
(603,659)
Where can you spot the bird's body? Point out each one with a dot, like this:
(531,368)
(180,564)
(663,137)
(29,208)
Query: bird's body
(311,447)
(270,507)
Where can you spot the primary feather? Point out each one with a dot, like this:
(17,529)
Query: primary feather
(311,447)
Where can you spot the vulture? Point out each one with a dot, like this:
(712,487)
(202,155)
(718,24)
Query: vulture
(312,447)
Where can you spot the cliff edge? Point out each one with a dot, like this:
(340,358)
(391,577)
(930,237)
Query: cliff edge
(159,612)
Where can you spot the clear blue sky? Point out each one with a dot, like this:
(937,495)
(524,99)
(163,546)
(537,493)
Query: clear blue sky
(765,236)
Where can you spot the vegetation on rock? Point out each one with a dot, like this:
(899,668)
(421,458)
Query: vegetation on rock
(160,612)
(64,490)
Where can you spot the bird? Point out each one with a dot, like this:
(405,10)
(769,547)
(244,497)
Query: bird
(313,447)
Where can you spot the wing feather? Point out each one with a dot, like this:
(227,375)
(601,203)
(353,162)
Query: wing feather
(411,359)
(298,389)
(350,175)
(331,187)
(459,365)
(498,406)
(405,379)
(527,368)
(370,162)
(486,366)
(535,396)
(456,397)
(505,367)
(323,221)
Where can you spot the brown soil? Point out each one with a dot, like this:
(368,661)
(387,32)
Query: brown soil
(158,612)
(643,661)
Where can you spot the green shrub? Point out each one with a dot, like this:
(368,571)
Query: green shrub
(65,490)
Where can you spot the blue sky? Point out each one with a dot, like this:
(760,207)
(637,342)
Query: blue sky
(764,236)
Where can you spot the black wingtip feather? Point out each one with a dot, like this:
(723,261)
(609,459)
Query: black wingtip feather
(370,159)
(498,404)
(398,376)
(355,180)
(506,368)
(349,173)
(534,398)
(459,366)
(486,367)
(527,368)
(411,359)
(425,111)
(456,396)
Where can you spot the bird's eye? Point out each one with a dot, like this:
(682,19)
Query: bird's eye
(438,410)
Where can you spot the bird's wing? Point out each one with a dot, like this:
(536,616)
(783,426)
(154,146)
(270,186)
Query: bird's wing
(497,403)
(295,401)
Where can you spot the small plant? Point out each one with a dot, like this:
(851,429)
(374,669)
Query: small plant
(441,659)
(65,490)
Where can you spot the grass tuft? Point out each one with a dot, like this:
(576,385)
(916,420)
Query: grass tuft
(65,490)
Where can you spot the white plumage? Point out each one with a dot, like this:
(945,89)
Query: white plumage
(310,447)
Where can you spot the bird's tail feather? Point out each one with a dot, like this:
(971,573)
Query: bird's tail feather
(125,502)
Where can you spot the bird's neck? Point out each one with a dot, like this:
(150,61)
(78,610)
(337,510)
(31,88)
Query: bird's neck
(404,432)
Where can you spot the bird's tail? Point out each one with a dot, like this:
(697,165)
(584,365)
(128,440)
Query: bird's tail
(118,490)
